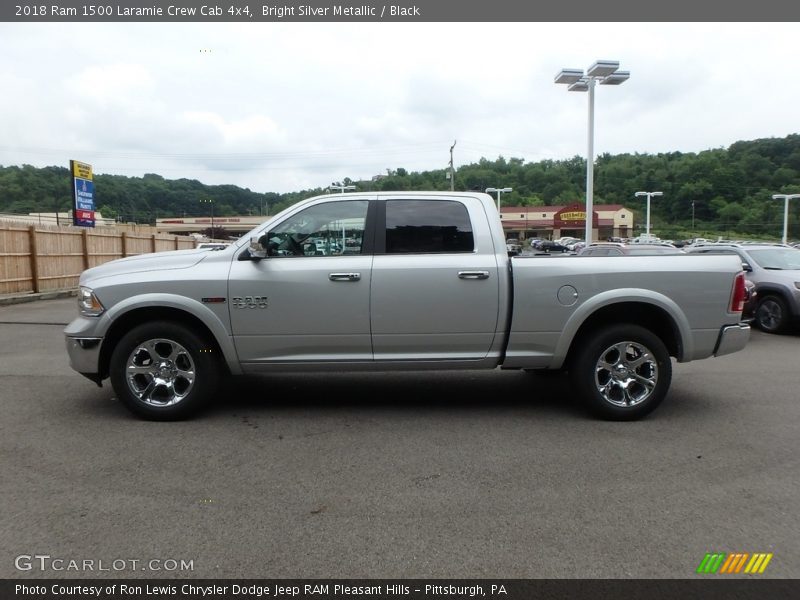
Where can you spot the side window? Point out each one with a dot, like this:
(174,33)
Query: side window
(427,226)
(329,229)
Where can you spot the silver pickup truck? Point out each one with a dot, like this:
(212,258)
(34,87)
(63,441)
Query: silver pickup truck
(398,280)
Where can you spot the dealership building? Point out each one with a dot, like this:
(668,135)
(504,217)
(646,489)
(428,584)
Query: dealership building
(552,222)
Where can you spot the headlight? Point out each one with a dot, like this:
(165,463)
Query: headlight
(88,304)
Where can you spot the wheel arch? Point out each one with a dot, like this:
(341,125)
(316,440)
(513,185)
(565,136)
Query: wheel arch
(126,321)
(766,289)
(656,318)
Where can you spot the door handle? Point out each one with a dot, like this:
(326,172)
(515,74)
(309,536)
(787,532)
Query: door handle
(344,276)
(473,274)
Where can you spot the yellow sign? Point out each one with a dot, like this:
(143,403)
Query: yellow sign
(573,216)
(81,170)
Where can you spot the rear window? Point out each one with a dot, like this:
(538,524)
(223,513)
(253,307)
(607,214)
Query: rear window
(426,226)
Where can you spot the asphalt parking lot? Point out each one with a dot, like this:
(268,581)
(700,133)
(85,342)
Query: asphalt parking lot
(467,474)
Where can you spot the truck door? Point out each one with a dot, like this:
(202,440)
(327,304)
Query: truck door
(435,285)
(308,301)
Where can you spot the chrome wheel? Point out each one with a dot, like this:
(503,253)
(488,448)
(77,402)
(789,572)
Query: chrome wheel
(160,372)
(626,374)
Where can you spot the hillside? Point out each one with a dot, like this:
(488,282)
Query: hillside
(729,190)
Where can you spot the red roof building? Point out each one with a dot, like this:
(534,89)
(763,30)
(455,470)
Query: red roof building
(551,222)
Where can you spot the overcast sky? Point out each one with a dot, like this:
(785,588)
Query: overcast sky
(279,107)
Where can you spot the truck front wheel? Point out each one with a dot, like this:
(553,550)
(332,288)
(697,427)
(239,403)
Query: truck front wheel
(162,371)
(622,372)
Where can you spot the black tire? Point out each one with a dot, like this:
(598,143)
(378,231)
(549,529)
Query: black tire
(610,367)
(772,314)
(181,383)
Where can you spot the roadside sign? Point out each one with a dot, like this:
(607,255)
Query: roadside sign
(82,194)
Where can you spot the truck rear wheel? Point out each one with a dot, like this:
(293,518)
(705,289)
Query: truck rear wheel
(162,371)
(622,372)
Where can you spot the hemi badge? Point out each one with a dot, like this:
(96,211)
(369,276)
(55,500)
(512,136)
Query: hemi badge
(213,300)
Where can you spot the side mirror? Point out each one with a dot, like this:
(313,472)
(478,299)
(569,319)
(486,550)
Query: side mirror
(747,268)
(257,248)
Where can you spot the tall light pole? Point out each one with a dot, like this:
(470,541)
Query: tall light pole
(499,191)
(649,195)
(786,198)
(211,202)
(343,188)
(452,172)
(604,72)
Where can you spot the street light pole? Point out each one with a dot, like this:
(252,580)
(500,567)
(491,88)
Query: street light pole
(499,191)
(786,198)
(649,195)
(452,172)
(211,202)
(588,226)
(605,72)
(343,188)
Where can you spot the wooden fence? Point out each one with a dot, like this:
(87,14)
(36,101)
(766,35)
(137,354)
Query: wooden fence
(39,258)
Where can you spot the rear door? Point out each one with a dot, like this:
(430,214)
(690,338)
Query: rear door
(435,284)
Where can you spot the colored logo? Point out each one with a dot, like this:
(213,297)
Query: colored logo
(721,563)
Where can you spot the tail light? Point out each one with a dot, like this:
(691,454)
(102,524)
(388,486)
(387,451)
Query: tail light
(739,295)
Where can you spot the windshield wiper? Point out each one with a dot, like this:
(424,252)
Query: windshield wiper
(773,268)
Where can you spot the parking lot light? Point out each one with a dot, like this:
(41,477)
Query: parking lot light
(786,198)
(604,72)
(649,195)
(491,190)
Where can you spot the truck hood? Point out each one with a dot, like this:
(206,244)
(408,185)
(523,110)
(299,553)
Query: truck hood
(157,261)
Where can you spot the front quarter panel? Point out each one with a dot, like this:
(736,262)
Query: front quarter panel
(200,291)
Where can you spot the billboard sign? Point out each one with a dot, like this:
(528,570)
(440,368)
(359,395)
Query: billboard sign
(573,216)
(82,194)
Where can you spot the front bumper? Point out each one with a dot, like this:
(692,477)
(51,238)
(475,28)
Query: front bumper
(84,338)
(84,356)
(732,338)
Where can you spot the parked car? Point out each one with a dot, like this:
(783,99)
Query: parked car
(552,246)
(646,238)
(775,271)
(513,246)
(536,243)
(566,240)
(619,249)
(577,246)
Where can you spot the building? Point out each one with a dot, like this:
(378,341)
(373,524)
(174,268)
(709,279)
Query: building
(552,222)
(184,225)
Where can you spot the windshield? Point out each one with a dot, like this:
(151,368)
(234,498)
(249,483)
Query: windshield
(776,258)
